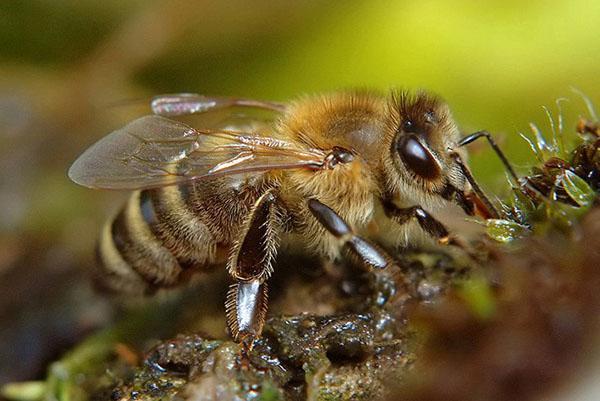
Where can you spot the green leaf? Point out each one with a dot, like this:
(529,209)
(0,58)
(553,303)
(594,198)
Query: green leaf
(504,230)
(578,189)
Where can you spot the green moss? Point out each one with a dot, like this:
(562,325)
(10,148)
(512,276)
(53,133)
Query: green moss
(504,230)
(24,391)
(477,294)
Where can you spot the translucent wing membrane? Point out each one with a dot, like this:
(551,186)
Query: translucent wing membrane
(154,151)
(190,103)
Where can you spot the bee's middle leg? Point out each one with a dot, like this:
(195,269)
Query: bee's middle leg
(250,265)
(368,254)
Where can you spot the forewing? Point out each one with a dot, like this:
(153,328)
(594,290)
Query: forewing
(154,151)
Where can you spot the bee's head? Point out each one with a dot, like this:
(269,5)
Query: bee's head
(422,137)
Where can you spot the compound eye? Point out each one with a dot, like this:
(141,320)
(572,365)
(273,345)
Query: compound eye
(417,158)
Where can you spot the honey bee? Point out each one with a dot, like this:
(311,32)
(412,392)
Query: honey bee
(314,173)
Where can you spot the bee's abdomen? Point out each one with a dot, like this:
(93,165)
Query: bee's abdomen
(154,239)
(161,234)
(175,216)
(129,242)
(114,273)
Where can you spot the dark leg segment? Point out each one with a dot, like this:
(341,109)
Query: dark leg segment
(465,202)
(370,254)
(427,222)
(332,221)
(387,273)
(491,209)
(450,193)
(250,265)
(246,310)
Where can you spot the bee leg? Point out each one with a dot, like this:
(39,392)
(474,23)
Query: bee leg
(490,209)
(427,222)
(370,255)
(180,104)
(246,307)
(250,265)
(450,193)
(466,202)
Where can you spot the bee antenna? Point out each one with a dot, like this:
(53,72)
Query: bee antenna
(479,134)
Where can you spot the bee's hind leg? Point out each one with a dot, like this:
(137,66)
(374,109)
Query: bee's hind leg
(368,254)
(246,307)
(251,265)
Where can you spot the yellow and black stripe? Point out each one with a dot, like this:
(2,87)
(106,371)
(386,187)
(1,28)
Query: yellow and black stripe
(161,234)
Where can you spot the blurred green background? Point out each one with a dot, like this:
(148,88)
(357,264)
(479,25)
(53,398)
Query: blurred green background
(73,70)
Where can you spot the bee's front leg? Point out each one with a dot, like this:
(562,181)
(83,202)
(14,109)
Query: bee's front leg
(368,254)
(427,222)
(250,265)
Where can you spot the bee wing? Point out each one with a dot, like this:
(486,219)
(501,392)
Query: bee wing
(179,104)
(154,151)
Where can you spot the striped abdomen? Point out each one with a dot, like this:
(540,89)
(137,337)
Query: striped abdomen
(161,235)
